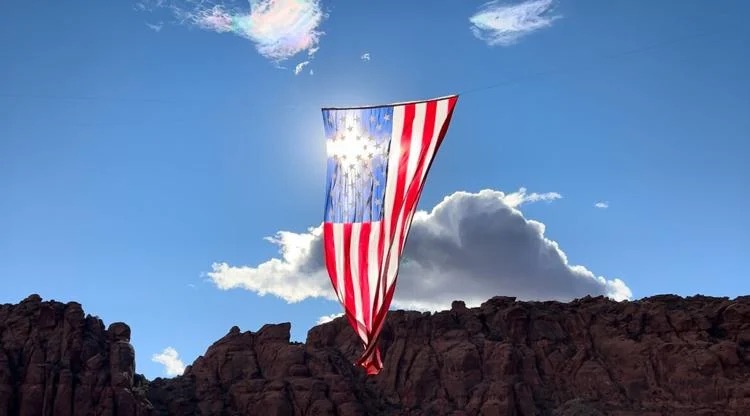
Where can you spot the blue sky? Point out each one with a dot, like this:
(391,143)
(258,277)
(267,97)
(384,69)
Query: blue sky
(147,149)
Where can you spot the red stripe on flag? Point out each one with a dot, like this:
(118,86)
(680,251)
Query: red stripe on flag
(330,251)
(348,284)
(380,277)
(364,283)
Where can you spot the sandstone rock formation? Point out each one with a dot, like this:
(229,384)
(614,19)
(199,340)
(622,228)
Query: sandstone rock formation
(55,361)
(663,355)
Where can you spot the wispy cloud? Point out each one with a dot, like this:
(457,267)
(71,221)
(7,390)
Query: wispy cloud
(300,66)
(480,237)
(503,24)
(148,5)
(279,29)
(156,27)
(365,56)
(170,359)
(520,197)
(328,318)
(602,205)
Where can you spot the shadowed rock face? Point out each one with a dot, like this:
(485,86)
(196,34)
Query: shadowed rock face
(55,361)
(663,355)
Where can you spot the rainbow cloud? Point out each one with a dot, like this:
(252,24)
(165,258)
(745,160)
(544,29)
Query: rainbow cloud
(501,24)
(280,29)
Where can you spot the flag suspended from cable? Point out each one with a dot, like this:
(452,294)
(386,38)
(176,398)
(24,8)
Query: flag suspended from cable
(378,160)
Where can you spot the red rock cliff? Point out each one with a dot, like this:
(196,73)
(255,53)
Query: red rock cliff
(663,355)
(56,361)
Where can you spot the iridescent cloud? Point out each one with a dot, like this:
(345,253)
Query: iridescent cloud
(279,28)
(502,24)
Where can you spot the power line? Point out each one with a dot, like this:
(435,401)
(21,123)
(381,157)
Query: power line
(634,51)
(528,76)
(83,98)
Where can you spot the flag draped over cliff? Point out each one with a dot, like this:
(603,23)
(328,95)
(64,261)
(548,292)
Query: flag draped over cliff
(378,160)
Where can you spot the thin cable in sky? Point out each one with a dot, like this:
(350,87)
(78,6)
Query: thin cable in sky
(600,59)
(527,77)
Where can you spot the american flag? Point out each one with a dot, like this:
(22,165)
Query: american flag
(378,159)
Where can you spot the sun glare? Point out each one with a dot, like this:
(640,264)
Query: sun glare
(350,148)
(353,147)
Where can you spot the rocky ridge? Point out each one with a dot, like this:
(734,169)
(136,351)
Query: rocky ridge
(56,361)
(663,355)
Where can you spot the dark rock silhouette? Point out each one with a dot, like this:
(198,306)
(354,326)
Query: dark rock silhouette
(663,355)
(55,361)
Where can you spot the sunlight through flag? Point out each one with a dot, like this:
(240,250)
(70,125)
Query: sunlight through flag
(378,160)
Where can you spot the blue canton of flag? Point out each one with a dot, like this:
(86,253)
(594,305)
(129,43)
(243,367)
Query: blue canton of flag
(357,142)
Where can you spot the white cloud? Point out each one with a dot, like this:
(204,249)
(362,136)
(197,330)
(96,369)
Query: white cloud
(300,66)
(518,198)
(279,29)
(602,205)
(365,56)
(500,24)
(471,246)
(155,27)
(148,5)
(328,318)
(170,359)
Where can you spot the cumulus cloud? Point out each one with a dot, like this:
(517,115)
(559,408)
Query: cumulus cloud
(170,359)
(470,246)
(279,29)
(503,24)
(602,205)
(328,318)
(365,56)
